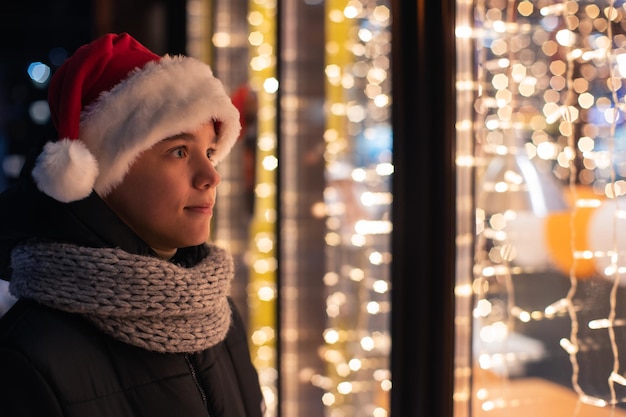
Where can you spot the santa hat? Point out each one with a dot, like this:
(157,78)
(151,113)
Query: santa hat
(114,99)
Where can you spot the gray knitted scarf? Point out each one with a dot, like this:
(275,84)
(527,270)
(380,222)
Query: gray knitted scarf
(140,300)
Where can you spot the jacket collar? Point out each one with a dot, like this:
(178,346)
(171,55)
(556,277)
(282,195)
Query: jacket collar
(27,213)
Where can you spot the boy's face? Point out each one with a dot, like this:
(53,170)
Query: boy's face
(167,196)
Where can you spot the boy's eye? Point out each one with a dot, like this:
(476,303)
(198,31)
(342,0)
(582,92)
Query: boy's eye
(179,152)
(210,153)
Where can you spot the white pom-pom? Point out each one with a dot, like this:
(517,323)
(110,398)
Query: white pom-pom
(66,170)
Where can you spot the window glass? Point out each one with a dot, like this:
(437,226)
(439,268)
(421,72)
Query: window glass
(541,285)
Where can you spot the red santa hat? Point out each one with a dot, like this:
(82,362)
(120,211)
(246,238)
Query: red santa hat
(114,99)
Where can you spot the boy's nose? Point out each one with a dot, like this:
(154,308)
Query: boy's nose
(207,175)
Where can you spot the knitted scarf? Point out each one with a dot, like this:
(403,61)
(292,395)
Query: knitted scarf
(141,300)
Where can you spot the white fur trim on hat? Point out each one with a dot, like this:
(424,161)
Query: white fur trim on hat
(65,170)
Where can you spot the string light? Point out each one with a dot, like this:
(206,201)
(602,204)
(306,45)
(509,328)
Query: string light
(358,201)
(262,291)
(547,97)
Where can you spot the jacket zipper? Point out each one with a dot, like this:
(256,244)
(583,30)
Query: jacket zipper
(194,376)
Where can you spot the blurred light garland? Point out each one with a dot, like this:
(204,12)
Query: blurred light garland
(550,105)
(358,199)
(262,291)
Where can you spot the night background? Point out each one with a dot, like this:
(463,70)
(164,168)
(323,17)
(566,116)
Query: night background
(47,32)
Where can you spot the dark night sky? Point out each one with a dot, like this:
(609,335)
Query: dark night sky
(29,31)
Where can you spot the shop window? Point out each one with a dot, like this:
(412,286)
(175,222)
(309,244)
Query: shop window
(541,152)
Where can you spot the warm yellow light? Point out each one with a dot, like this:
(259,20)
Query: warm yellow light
(221,39)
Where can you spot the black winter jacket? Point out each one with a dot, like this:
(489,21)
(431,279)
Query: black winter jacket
(57,364)
(54,363)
